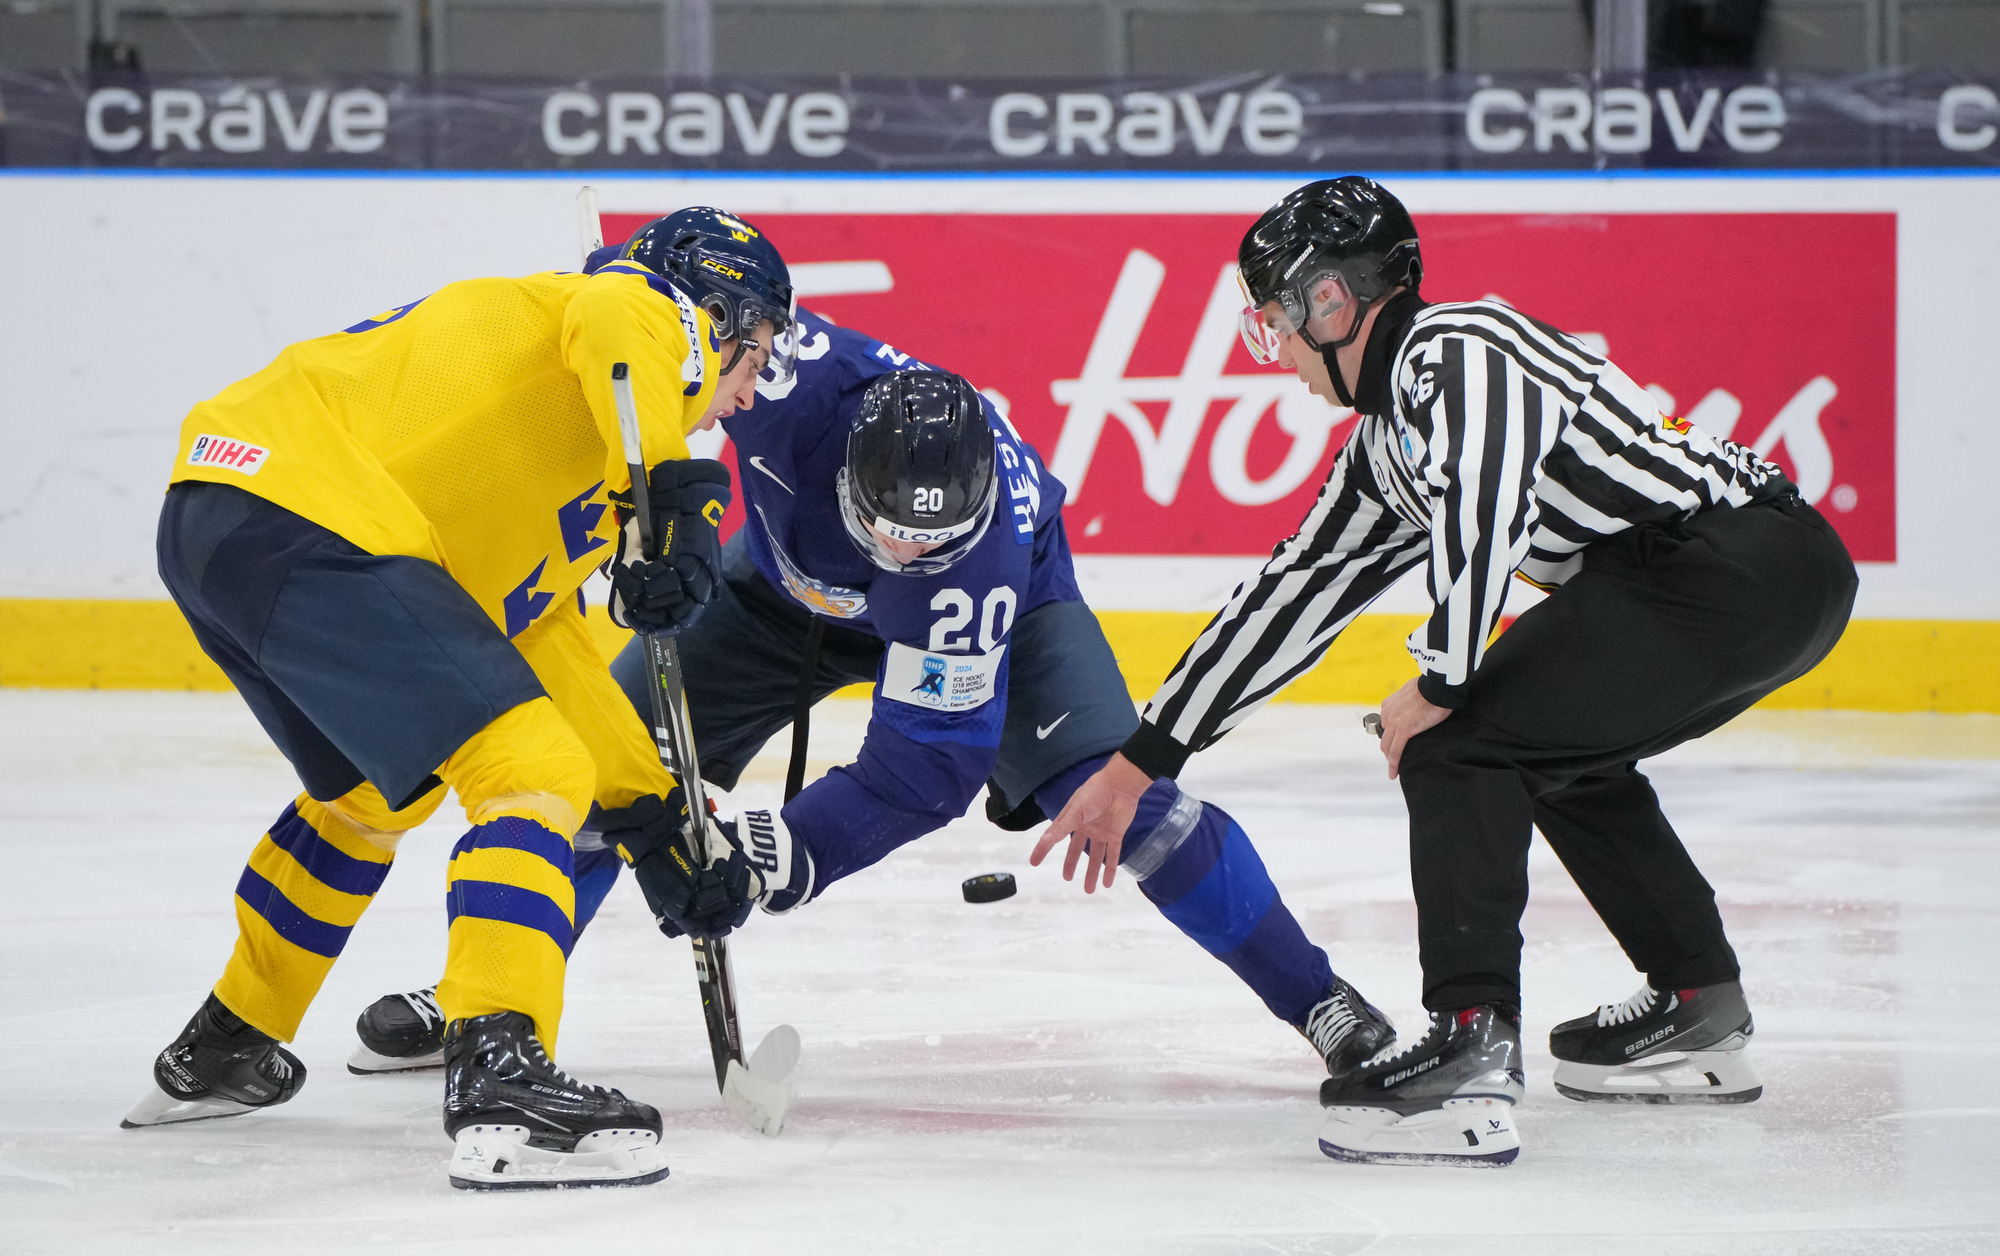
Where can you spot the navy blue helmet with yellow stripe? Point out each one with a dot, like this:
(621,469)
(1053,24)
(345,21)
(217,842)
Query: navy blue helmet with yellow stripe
(728,268)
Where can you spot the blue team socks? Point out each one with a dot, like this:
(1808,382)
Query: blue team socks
(596,872)
(1200,869)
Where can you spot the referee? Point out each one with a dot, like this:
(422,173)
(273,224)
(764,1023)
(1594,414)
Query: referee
(1687,580)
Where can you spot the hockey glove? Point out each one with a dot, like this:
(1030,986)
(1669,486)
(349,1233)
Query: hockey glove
(704,902)
(665,593)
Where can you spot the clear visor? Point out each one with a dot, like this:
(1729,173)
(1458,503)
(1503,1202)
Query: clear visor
(1264,327)
(784,360)
(742,324)
(868,535)
(922,536)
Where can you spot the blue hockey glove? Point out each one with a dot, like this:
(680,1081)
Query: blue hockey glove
(665,593)
(707,902)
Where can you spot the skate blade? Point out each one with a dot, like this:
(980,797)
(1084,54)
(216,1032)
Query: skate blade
(365,1061)
(1670,1077)
(498,1158)
(1475,1133)
(761,1091)
(161,1108)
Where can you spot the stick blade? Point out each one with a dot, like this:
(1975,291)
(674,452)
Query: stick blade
(761,1091)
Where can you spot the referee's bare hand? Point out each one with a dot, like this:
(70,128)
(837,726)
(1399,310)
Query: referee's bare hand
(1405,713)
(1094,820)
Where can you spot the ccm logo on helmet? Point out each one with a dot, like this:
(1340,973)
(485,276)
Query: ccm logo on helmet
(719,268)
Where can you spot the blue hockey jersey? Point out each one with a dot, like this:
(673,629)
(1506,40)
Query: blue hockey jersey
(941,691)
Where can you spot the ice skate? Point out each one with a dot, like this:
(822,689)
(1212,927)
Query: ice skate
(1673,1046)
(399,1033)
(520,1123)
(1447,1100)
(219,1066)
(1345,1028)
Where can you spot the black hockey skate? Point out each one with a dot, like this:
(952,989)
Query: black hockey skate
(1447,1100)
(523,1124)
(1345,1028)
(399,1033)
(1672,1046)
(219,1066)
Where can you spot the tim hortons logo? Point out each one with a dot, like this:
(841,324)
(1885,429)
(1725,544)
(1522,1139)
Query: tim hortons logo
(1808,458)
(1103,393)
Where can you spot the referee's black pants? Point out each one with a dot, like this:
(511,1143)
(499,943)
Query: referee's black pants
(1666,634)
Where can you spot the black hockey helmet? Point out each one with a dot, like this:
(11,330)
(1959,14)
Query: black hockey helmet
(1323,245)
(728,268)
(920,469)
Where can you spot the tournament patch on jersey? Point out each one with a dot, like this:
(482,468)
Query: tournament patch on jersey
(940,682)
(220,451)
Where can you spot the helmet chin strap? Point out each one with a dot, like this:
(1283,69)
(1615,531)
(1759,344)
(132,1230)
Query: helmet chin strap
(1331,356)
(1330,353)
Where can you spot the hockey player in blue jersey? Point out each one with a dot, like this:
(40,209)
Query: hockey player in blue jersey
(900,532)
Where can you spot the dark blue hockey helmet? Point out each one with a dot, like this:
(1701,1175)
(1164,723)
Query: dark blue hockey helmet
(920,470)
(728,268)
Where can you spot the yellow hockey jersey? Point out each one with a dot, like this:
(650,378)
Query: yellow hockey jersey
(473,427)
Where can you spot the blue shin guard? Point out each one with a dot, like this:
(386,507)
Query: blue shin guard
(1199,868)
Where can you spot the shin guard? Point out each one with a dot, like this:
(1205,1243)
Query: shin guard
(510,902)
(305,887)
(1200,869)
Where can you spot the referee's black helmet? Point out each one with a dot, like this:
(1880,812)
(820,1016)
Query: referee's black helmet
(1350,229)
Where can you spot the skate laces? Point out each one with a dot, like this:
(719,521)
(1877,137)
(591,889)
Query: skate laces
(542,1058)
(425,1004)
(1330,1021)
(1631,1009)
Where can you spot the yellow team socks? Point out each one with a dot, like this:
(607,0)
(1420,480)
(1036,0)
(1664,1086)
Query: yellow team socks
(298,899)
(512,906)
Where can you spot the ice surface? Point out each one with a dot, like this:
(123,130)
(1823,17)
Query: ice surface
(1051,1074)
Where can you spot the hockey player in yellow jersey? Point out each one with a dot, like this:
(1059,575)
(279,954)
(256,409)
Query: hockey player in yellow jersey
(381,538)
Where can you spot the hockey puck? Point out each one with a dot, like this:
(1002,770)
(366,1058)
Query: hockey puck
(989,887)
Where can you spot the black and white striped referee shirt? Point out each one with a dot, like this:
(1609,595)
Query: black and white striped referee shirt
(1489,444)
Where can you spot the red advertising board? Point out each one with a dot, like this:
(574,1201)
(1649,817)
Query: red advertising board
(1112,338)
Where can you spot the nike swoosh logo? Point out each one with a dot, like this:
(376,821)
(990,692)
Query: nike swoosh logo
(757,461)
(1041,732)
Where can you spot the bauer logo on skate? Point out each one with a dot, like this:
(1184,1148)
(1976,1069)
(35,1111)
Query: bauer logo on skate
(220,451)
(1172,441)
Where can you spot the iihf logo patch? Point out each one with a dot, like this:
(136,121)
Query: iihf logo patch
(933,681)
(234,455)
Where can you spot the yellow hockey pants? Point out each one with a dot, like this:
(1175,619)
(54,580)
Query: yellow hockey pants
(526,781)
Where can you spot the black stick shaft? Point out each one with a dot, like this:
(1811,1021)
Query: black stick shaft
(674,736)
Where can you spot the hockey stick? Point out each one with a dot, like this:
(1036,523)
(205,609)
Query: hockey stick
(761,1090)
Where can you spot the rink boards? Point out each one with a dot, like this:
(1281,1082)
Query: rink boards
(1840,324)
